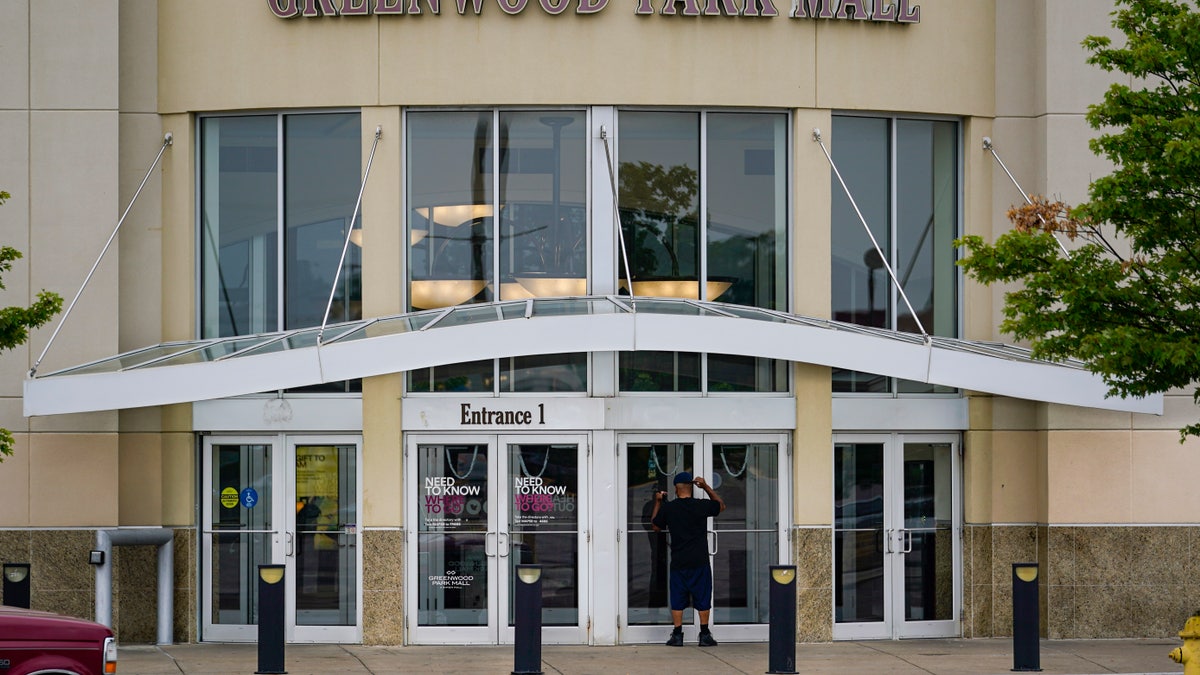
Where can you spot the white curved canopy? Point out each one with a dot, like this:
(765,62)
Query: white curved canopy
(181,372)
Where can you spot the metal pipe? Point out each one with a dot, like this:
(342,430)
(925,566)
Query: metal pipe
(987,145)
(612,179)
(349,230)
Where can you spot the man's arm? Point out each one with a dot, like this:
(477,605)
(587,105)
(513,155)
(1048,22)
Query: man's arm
(658,500)
(712,494)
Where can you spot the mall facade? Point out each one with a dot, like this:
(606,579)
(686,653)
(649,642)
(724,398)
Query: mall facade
(406,293)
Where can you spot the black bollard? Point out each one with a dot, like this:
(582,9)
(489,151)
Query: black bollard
(527,618)
(782,615)
(270,619)
(1026,618)
(16,584)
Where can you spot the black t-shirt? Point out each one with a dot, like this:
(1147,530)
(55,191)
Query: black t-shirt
(687,521)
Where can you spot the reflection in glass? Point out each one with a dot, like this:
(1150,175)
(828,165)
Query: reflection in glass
(544,373)
(747,476)
(326,535)
(452,488)
(470,376)
(928,529)
(732,373)
(659,196)
(543,525)
(660,371)
(858,545)
(450,193)
(239,543)
(650,469)
(543,204)
(239,232)
(926,224)
(322,161)
(746,190)
(861,289)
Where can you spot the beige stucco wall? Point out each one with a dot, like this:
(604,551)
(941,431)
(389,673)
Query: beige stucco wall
(60,127)
(611,57)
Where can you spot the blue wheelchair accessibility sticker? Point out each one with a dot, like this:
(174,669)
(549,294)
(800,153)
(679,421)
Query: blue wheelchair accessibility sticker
(249,497)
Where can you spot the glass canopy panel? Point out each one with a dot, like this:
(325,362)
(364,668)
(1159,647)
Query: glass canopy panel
(130,360)
(213,351)
(573,307)
(744,313)
(464,316)
(390,326)
(298,340)
(671,307)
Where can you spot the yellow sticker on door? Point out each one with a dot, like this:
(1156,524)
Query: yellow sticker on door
(229,497)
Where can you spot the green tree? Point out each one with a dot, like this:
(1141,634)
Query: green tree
(15,322)
(1126,297)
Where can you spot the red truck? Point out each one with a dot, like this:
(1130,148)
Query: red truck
(52,644)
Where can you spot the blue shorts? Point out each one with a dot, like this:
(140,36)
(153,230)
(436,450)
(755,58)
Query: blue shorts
(694,584)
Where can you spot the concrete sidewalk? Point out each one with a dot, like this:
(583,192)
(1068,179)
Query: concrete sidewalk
(948,657)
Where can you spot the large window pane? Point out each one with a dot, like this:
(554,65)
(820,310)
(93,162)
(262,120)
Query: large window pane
(543,205)
(659,198)
(746,190)
(239,225)
(321,181)
(451,207)
(927,217)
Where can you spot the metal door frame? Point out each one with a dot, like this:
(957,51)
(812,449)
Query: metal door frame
(894,625)
(497,630)
(702,444)
(351,634)
(283,518)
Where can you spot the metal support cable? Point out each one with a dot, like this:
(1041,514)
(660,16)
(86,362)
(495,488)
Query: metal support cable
(168,139)
(612,179)
(987,145)
(349,231)
(816,134)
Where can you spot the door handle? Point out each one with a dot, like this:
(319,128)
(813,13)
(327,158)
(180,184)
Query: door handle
(502,544)
(489,544)
(291,545)
(887,540)
(712,542)
(908,541)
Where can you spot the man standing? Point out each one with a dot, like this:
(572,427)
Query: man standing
(686,519)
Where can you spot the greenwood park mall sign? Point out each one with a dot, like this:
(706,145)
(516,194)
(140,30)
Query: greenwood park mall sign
(884,11)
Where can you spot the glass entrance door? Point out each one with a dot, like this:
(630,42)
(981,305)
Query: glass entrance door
(323,555)
(897,549)
(744,541)
(480,506)
(289,501)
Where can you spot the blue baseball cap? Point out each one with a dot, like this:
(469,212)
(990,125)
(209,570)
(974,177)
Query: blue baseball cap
(683,477)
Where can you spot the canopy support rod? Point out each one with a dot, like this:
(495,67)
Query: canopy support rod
(349,231)
(612,180)
(168,139)
(816,135)
(987,145)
